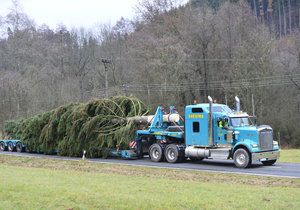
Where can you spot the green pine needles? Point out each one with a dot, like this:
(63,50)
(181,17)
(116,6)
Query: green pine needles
(96,126)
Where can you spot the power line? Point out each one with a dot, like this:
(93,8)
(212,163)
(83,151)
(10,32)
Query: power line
(222,84)
(187,59)
(295,76)
(267,81)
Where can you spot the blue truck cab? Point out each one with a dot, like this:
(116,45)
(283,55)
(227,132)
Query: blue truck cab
(228,134)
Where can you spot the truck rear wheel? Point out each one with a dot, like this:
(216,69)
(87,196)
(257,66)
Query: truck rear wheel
(172,154)
(268,162)
(2,146)
(156,153)
(241,158)
(10,147)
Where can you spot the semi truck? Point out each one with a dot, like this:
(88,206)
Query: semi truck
(207,131)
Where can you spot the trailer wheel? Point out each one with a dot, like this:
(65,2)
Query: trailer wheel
(268,162)
(2,146)
(172,154)
(241,158)
(19,147)
(10,147)
(156,153)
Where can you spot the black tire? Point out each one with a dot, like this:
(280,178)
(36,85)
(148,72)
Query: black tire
(172,154)
(268,162)
(2,146)
(19,147)
(10,147)
(156,153)
(139,149)
(241,158)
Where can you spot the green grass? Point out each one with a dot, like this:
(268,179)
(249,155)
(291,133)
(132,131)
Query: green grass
(32,183)
(290,155)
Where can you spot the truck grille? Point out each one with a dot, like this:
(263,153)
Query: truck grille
(266,139)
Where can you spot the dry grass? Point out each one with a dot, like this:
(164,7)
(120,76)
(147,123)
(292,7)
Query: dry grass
(37,183)
(290,156)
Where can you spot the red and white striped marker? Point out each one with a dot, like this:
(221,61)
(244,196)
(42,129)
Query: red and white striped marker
(132,144)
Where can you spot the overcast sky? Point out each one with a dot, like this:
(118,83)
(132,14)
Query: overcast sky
(78,13)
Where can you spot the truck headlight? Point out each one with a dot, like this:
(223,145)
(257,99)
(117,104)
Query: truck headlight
(254,145)
(275,143)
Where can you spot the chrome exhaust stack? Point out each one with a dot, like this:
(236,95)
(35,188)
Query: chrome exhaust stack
(210,128)
(237,104)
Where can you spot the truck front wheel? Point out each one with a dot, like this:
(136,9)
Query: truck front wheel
(241,158)
(156,153)
(268,162)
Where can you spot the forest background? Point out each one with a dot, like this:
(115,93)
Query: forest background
(170,53)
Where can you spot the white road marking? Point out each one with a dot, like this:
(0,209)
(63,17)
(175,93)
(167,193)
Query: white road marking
(192,169)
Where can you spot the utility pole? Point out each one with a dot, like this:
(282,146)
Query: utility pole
(105,63)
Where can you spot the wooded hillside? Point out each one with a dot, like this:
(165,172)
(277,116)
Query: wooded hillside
(169,54)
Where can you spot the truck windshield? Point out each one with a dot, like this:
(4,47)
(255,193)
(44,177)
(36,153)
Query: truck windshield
(240,121)
(221,109)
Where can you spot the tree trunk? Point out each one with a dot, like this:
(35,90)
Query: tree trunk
(279,17)
(299,17)
(165,88)
(284,19)
(81,89)
(18,108)
(255,8)
(290,16)
(261,12)
(205,73)
(148,94)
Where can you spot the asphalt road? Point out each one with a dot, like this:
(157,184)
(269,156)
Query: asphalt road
(290,170)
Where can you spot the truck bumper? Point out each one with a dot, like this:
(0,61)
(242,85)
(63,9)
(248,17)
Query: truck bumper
(263,156)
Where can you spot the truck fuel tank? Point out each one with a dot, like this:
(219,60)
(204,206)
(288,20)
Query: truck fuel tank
(193,152)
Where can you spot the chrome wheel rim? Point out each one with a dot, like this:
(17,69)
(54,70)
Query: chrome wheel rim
(155,153)
(241,159)
(171,155)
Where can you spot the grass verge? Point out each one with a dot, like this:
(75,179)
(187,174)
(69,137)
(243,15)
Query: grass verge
(33,183)
(290,156)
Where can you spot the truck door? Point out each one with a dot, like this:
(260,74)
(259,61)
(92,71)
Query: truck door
(196,127)
(221,131)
